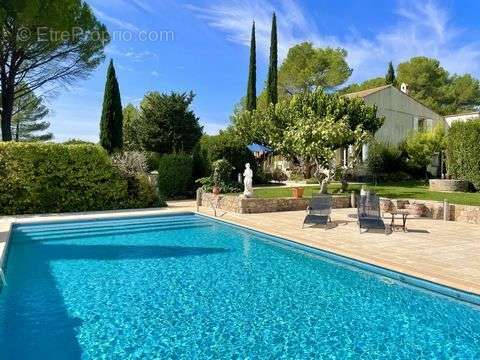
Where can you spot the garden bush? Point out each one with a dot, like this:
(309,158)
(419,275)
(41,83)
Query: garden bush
(221,177)
(175,176)
(463,151)
(384,159)
(225,146)
(48,178)
(386,162)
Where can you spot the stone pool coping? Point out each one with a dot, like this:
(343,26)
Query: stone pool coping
(7,222)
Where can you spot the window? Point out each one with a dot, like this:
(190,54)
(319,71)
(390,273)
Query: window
(422,124)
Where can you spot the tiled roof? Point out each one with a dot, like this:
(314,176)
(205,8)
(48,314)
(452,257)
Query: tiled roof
(365,93)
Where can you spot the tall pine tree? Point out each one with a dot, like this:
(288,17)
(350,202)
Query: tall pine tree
(390,76)
(111,123)
(252,74)
(272,88)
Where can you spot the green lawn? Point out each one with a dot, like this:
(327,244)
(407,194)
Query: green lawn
(400,190)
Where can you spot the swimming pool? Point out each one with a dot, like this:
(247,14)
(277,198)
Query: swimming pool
(186,286)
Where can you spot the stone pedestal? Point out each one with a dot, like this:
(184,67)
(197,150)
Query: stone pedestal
(445,185)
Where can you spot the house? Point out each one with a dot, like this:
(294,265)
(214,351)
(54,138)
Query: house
(462,117)
(403,114)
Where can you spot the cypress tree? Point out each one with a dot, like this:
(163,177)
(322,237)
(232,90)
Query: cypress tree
(252,74)
(390,77)
(272,90)
(111,123)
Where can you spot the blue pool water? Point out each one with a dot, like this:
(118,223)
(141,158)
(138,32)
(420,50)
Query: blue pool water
(188,287)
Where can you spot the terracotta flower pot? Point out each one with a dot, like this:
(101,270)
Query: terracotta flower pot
(216,190)
(297,192)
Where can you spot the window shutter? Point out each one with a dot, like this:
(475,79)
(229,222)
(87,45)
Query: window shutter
(429,124)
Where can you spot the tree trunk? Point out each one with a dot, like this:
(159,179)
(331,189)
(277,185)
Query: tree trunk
(7,112)
(8,97)
(324,186)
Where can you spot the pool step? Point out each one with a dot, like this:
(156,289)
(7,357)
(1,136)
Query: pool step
(85,232)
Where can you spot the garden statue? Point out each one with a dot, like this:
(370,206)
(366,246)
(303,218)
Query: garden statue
(247,176)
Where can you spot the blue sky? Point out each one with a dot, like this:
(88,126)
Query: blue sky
(203,46)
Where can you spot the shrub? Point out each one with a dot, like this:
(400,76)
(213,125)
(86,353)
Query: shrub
(146,194)
(141,189)
(221,177)
(262,176)
(175,175)
(47,178)
(421,146)
(384,161)
(222,172)
(463,151)
(279,175)
(130,163)
(225,146)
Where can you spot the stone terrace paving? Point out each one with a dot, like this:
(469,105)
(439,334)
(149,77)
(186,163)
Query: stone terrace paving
(447,253)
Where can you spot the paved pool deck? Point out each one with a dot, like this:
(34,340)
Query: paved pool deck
(443,252)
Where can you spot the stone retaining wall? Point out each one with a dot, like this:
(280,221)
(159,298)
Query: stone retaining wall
(445,185)
(241,205)
(432,209)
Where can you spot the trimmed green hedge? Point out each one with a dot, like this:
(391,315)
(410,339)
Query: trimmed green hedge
(50,178)
(223,146)
(463,151)
(175,175)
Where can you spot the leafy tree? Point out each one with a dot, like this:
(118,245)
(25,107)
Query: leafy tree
(168,124)
(367,84)
(427,81)
(272,80)
(422,146)
(432,85)
(252,74)
(27,120)
(463,94)
(111,123)
(132,128)
(228,146)
(43,44)
(390,76)
(311,126)
(307,69)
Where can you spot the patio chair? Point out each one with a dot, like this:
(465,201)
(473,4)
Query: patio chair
(319,210)
(368,210)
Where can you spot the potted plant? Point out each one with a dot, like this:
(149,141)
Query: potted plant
(297,192)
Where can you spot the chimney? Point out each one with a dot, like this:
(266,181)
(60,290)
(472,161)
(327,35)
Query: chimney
(404,88)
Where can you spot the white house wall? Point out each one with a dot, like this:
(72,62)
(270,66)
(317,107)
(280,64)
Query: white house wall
(401,113)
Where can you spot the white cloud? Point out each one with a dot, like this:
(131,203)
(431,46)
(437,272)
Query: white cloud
(122,24)
(155,73)
(421,28)
(143,5)
(115,21)
(131,54)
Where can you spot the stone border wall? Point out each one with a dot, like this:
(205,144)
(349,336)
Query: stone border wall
(434,210)
(233,203)
(239,205)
